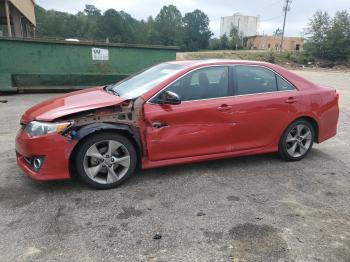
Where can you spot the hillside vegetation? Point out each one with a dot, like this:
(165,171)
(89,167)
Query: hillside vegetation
(268,56)
(286,58)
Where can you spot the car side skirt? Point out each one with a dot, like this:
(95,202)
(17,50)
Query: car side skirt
(146,163)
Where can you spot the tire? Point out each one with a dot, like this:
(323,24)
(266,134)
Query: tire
(105,160)
(297,140)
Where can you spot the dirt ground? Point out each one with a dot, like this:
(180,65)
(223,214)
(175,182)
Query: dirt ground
(255,208)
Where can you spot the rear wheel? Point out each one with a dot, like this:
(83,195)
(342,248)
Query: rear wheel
(297,140)
(105,160)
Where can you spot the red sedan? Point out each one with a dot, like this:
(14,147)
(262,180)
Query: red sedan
(174,113)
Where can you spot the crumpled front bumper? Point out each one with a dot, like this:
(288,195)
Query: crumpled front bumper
(55,150)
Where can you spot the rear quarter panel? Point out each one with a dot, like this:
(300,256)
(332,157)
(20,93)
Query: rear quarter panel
(319,103)
(322,104)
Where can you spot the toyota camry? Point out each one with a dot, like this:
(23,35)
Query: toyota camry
(175,113)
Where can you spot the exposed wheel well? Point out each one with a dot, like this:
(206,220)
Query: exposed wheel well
(314,124)
(125,133)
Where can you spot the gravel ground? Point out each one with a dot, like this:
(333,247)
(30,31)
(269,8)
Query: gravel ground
(255,208)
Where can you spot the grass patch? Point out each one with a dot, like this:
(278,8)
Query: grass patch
(282,58)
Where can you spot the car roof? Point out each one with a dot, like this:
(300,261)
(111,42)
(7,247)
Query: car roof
(197,63)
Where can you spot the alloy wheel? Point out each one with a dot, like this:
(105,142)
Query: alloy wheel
(298,140)
(106,162)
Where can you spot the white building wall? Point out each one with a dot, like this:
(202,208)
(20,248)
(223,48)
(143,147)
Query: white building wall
(247,25)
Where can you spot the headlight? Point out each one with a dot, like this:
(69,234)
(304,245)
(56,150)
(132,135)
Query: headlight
(36,128)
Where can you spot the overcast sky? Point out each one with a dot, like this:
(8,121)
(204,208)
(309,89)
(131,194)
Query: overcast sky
(270,11)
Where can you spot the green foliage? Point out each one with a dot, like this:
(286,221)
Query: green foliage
(277,32)
(196,30)
(118,27)
(234,42)
(224,42)
(270,57)
(236,38)
(55,24)
(329,38)
(338,38)
(168,24)
(214,44)
(91,10)
(319,26)
(190,32)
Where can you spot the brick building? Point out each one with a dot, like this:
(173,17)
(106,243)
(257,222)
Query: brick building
(258,42)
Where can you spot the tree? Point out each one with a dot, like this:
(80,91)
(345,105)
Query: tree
(224,42)
(120,27)
(338,37)
(329,38)
(60,25)
(236,38)
(88,21)
(319,26)
(151,33)
(214,44)
(169,25)
(110,26)
(196,30)
(277,32)
(91,10)
(168,28)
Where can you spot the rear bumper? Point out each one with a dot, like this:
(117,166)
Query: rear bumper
(328,123)
(55,150)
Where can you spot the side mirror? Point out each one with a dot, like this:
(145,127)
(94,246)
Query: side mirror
(169,98)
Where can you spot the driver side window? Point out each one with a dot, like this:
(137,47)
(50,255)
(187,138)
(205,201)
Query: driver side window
(205,83)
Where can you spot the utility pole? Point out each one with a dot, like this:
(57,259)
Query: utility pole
(286,8)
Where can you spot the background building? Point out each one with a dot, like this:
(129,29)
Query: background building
(247,25)
(17,18)
(258,42)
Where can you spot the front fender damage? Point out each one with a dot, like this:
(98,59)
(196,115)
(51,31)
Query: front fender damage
(124,117)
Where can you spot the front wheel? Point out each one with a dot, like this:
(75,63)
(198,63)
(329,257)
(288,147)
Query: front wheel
(105,160)
(297,140)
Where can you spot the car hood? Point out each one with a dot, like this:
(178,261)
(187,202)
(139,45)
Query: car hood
(71,103)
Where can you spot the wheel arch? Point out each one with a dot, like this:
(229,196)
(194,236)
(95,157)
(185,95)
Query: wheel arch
(313,122)
(86,131)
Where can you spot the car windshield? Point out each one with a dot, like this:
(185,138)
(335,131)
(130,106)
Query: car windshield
(140,83)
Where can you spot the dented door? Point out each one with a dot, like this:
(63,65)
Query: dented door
(192,128)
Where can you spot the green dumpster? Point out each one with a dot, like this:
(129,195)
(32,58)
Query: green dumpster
(27,64)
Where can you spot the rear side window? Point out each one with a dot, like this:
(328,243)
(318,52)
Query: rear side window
(283,84)
(254,79)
